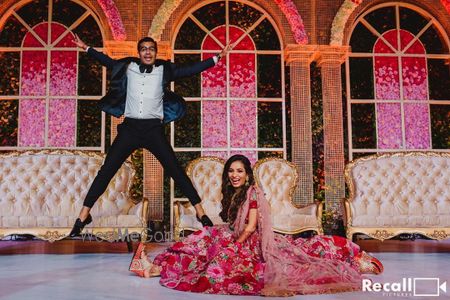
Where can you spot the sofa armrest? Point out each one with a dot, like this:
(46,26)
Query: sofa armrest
(319,213)
(347,212)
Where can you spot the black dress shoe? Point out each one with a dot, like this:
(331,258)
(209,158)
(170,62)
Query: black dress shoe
(206,221)
(79,225)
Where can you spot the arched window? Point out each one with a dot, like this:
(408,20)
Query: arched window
(399,83)
(49,89)
(237,106)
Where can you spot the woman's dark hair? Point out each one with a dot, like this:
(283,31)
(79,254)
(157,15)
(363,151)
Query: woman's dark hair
(146,39)
(230,208)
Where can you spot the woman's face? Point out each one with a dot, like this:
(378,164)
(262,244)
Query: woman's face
(237,174)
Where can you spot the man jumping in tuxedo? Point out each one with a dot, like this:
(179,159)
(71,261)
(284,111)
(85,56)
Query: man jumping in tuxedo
(139,90)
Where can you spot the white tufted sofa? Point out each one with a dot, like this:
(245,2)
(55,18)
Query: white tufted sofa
(399,193)
(42,192)
(277,177)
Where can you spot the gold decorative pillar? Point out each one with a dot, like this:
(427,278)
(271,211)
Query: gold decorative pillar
(299,58)
(330,59)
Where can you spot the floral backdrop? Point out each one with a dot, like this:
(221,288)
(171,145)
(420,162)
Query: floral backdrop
(239,102)
(378,122)
(414,85)
(242,85)
(48,79)
(396,84)
(61,112)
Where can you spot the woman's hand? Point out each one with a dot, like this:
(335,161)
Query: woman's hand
(251,226)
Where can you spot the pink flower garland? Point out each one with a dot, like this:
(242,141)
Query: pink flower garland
(446,4)
(287,7)
(295,20)
(114,19)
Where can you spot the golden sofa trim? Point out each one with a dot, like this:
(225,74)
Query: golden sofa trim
(189,170)
(53,234)
(383,233)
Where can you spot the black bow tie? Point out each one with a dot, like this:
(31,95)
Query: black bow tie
(145,68)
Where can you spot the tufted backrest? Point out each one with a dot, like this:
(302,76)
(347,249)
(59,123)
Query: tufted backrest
(55,182)
(206,175)
(401,189)
(277,178)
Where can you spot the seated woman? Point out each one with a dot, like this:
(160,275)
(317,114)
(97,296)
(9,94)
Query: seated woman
(248,258)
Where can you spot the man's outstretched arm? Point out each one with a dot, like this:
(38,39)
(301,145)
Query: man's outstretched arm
(186,71)
(103,59)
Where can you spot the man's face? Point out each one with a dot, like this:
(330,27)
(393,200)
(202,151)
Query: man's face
(147,53)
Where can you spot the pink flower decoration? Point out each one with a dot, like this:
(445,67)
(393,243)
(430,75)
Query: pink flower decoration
(63,73)
(61,115)
(34,73)
(220,154)
(389,126)
(295,20)
(446,4)
(417,126)
(214,79)
(414,76)
(243,124)
(114,19)
(214,124)
(61,124)
(242,75)
(32,123)
(387,84)
(242,85)
(287,7)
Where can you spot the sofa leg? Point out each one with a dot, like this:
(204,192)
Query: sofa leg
(129,246)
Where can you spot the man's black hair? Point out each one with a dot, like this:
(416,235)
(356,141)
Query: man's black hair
(146,39)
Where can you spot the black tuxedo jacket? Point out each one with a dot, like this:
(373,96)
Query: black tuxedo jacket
(114,100)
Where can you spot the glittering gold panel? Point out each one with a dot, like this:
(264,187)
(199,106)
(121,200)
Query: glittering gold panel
(396,193)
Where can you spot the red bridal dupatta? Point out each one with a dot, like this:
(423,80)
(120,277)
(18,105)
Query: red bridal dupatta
(288,269)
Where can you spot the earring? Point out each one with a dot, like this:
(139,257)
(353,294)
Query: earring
(246,181)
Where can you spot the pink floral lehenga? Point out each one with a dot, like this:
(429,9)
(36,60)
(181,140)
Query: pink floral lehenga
(210,261)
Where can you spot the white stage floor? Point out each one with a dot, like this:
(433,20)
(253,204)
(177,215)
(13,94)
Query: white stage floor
(106,276)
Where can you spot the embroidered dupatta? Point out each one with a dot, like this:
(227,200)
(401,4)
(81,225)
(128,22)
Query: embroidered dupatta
(288,269)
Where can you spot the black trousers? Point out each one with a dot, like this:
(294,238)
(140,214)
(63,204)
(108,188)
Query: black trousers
(133,134)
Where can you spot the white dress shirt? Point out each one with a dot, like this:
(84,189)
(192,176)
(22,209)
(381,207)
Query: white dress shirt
(144,93)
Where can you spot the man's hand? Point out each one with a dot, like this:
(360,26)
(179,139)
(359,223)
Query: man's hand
(225,50)
(77,41)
